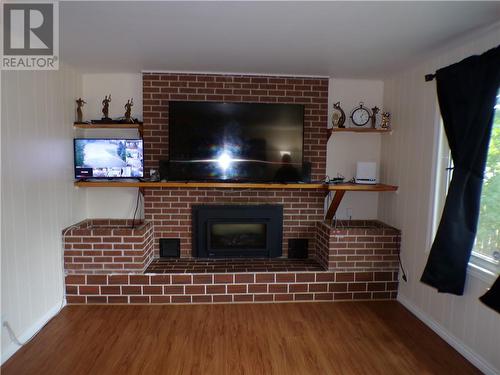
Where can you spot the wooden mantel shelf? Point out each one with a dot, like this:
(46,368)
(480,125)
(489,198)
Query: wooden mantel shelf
(180,184)
(339,189)
(240,185)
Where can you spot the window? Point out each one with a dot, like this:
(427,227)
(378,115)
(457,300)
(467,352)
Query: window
(486,251)
(487,245)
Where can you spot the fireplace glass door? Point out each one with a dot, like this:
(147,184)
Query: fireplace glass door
(232,231)
(237,237)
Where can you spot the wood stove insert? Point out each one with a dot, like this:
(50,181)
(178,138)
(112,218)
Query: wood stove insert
(233,231)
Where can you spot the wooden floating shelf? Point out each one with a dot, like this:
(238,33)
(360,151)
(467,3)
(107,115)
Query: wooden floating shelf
(339,189)
(237,185)
(356,130)
(361,187)
(360,130)
(220,185)
(87,126)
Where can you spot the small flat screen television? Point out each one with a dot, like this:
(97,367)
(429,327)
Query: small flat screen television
(108,158)
(235,141)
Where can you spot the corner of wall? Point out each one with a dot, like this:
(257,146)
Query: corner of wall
(39,200)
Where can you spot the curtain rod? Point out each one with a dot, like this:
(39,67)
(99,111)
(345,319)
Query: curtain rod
(429,77)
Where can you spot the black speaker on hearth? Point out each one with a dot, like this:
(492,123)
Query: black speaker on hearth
(170,247)
(297,248)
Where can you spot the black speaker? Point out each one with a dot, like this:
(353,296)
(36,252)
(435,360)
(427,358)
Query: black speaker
(297,248)
(164,170)
(306,171)
(170,247)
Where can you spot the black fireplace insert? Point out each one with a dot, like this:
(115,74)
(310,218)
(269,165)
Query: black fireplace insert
(223,231)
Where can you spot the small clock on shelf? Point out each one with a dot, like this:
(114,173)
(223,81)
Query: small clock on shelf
(361,115)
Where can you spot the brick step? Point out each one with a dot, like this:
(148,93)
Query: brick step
(232,287)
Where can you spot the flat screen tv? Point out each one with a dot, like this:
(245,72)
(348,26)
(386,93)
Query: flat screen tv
(235,141)
(108,158)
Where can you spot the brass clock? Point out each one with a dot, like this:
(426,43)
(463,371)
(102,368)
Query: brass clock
(360,116)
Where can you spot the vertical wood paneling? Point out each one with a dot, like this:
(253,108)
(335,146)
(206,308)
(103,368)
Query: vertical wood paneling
(38,197)
(408,161)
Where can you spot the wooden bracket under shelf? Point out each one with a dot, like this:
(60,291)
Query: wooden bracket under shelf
(341,189)
(334,204)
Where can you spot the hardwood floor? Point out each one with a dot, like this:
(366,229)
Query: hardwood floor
(309,338)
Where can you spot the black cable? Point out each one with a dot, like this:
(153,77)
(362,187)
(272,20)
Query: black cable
(136,207)
(402,268)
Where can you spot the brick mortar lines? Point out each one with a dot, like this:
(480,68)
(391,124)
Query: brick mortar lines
(159,88)
(237,287)
(93,248)
(170,211)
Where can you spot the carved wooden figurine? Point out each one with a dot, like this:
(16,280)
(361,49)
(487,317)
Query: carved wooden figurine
(386,120)
(375,111)
(128,110)
(105,107)
(79,114)
(338,117)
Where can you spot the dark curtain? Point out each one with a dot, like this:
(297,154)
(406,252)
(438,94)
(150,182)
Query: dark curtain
(492,296)
(467,94)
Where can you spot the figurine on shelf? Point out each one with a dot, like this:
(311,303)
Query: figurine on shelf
(386,120)
(338,116)
(79,114)
(105,107)
(128,111)
(375,111)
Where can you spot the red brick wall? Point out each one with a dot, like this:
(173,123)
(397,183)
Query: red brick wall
(159,88)
(170,211)
(104,246)
(357,245)
(232,287)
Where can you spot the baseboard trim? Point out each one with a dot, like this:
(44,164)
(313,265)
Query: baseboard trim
(10,349)
(473,357)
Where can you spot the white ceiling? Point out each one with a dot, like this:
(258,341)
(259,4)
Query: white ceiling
(340,39)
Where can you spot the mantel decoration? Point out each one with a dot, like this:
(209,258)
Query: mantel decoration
(128,110)
(375,117)
(106,120)
(105,108)
(361,115)
(386,120)
(338,116)
(79,114)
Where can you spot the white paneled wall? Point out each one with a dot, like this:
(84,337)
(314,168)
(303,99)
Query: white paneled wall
(408,160)
(116,203)
(38,197)
(345,149)
(121,86)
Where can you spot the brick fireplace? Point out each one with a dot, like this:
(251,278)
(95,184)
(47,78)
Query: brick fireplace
(355,261)
(170,209)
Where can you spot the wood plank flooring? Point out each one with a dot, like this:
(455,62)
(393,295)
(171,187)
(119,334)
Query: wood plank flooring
(309,338)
